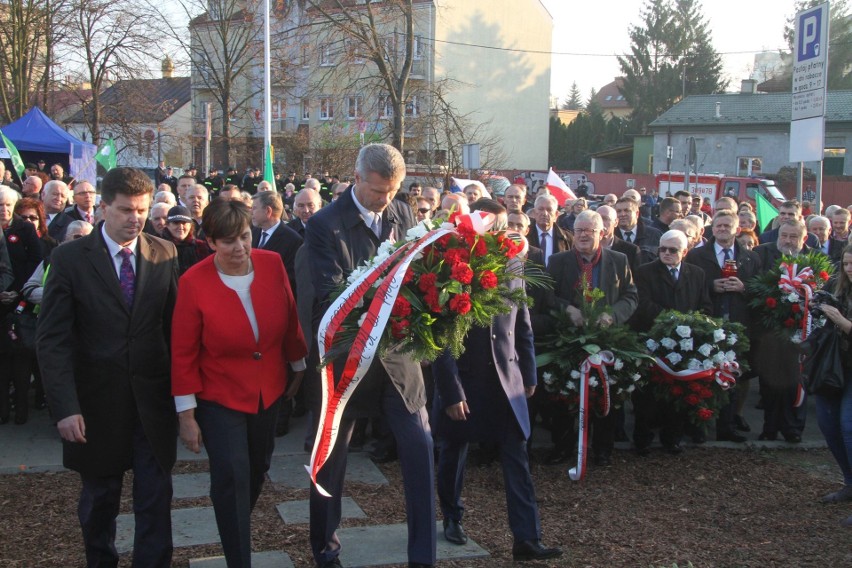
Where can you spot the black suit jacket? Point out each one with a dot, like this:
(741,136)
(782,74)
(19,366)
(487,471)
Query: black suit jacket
(748,266)
(296,225)
(338,241)
(631,251)
(563,240)
(105,361)
(615,281)
(771,236)
(646,238)
(57,226)
(658,292)
(286,242)
(25,253)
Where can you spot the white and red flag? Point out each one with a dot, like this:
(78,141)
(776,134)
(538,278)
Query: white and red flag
(558,188)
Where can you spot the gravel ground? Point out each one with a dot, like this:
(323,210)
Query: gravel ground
(709,506)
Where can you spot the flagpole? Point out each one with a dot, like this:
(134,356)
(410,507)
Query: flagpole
(267,97)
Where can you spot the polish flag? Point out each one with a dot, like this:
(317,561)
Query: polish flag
(558,189)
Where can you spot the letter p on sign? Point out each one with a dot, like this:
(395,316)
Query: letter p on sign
(809,32)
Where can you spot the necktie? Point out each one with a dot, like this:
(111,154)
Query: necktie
(727,253)
(89,218)
(126,276)
(628,236)
(544,244)
(376,225)
(673,272)
(264,236)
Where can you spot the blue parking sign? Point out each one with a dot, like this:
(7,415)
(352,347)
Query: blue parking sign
(810,30)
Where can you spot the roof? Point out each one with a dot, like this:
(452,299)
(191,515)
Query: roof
(609,97)
(140,100)
(746,108)
(35,132)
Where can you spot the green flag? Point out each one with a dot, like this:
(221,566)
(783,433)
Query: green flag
(106,155)
(765,212)
(17,162)
(268,173)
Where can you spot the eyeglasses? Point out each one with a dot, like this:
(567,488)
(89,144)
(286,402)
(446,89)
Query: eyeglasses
(30,217)
(586,231)
(423,210)
(77,236)
(670,250)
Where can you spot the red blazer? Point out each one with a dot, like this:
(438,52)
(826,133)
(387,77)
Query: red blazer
(214,354)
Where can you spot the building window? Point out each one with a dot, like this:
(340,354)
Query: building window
(305,55)
(326,111)
(326,57)
(389,48)
(385,107)
(354,52)
(412,107)
(418,48)
(353,107)
(306,109)
(748,166)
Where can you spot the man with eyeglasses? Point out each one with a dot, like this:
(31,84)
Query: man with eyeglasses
(729,299)
(84,203)
(609,272)
(667,283)
(423,211)
(791,210)
(433,195)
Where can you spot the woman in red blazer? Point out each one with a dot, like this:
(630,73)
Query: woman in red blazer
(234,331)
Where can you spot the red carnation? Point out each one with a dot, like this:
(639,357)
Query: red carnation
(409,277)
(456,256)
(480,248)
(771,302)
(460,303)
(401,307)
(789,322)
(466,233)
(796,308)
(427,281)
(705,393)
(677,390)
(488,280)
(444,241)
(695,387)
(399,328)
(823,275)
(462,272)
(705,414)
(691,400)
(453,216)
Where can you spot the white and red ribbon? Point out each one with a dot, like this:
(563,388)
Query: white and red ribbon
(598,363)
(368,337)
(725,374)
(799,283)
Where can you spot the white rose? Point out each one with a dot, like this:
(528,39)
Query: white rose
(674,358)
(636,376)
(668,343)
(651,345)
(630,388)
(619,364)
(385,249)
(595,359)
(571,386)
(709,364)
(686,344)
(793,298)
(732,339)
(718,335)
(547,376)
(683,331)
(593,382)
(693,365)
(731,356)
(719,358)
(706,349)
(575,374)
(417,231)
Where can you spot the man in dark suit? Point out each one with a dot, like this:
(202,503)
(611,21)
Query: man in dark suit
(777,361)
(54,196)
(610,241)
(339,238)
(631,229)
(669,211)
(545,235)
(84,203)
(821,227)
(727,294)
(481,397)
(667,283)
(305,204)
(103,346)
(608,271)
(791,210)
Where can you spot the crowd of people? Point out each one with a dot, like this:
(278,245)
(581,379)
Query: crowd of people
(188,312)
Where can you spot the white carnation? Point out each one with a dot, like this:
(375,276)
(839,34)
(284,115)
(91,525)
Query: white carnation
(683,331)
(793,298)
(731,356)
(668,343)
(693,365)
(636,376)
(630,388)
(417,231)
(575,374)
(593,382)
(720,358)
(618,365)
(706,349)
(686,344)
(571,386)
(718,335)
(595,359)
(547,376)
(732,339)
(385,250)
(651,345)
(709,364)
(674,358)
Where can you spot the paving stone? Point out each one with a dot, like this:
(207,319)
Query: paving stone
(269,559)
(290,470)
(196,525)
(190,485)
(380,545)
(297,512)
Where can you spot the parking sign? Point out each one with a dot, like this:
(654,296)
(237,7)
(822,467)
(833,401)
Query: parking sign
(810,63)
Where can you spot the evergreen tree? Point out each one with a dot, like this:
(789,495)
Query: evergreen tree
(573,102)
(671,56)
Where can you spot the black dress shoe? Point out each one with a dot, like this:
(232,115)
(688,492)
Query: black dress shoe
(673,449)
(741,424)
(558,457)
(842,496)
(454,532)
(767,437)
(793,438)
(384,455)
(282,429)
(730,437)
(333,563)
(534,550)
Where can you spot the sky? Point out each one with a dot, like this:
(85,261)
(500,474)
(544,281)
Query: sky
(591,33)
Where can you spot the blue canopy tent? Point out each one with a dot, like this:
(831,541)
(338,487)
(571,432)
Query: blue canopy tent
(38,138)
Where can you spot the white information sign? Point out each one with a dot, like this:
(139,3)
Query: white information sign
(810,63)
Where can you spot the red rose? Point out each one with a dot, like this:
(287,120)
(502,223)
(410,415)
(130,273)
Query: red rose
(460,303)
(691,400)
(462,272)
(705,393)
(771,302)
(796,308)
(705,414)
(488,280)
(677,390)
(789,322)
(401,307)
(399,328)
(427,281)
(431,299)
(695,387)
(480,248)
(823,275)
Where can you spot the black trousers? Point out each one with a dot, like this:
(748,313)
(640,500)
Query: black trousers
(152,499)
(15,370)
(239,446)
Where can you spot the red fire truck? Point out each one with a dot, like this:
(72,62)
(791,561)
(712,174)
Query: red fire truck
(715,186)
